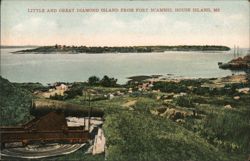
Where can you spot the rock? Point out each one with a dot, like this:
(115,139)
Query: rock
(168,112)
(150,85)
(180,94)
(167,100)
(228,107)
(243,90)
(183,94)
(156,91)
(180,121)
(176,95)
(168,96)
(158,97)
(236,97)
(131,109)
(154,112)
(118,93)
(161,109)
(172,114)
(111,96)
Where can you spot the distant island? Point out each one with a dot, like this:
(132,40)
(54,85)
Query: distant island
(128,49)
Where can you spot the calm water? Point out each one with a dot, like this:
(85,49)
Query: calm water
(48,68)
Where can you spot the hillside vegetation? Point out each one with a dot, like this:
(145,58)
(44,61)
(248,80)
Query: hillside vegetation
(186,120)
(15,103)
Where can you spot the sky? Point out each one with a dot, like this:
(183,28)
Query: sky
(229,26)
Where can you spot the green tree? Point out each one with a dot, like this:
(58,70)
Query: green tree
(108,82)
(94,80)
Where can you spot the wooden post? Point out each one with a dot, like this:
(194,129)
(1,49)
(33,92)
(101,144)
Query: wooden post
(89,113)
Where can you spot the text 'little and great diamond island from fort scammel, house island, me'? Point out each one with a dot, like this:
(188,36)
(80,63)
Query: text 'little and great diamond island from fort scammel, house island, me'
(125,10)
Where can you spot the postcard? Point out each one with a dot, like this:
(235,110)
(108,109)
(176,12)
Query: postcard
(125,80)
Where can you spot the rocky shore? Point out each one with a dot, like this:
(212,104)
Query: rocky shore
(240,63)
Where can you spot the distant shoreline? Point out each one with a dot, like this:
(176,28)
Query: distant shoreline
(63,49)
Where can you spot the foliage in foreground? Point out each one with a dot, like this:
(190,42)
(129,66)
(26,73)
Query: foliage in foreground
(15,103)
(135,136)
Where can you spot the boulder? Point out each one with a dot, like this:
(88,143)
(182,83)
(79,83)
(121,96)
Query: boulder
(168,96)
(236,97)
(158,97)
(154,112)
(168,100)
(243,90)
(181,121)
(228,107)
(174,114)
(110,96)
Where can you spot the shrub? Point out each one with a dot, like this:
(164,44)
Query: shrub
(108,82)
(15,103)
(170,87)
(72,93)
(201,90)
(94,80)
(57,97)
(228,130)
(184,101)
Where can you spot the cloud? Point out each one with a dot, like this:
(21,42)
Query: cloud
(34,26)
(148,25)
(101,23)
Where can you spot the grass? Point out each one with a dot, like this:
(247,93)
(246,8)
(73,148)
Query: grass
(133,136)
(226,128)
(217,134)
(15,104)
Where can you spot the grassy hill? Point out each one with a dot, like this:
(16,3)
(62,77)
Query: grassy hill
(133,136)
(14,103)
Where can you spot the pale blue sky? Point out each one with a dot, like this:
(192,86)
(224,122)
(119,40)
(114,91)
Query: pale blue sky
(228,27)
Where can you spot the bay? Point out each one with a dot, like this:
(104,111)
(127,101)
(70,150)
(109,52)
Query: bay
(49,68)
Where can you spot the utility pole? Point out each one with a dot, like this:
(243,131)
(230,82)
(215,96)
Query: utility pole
(89,113)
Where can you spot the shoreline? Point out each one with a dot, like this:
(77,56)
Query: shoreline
(146,78)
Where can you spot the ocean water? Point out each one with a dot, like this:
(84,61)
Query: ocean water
(49,68)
